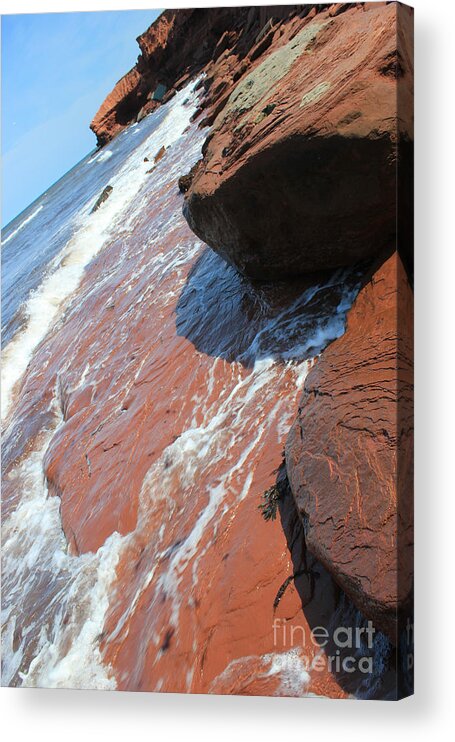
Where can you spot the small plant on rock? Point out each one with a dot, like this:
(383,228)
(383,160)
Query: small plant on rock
(269,505)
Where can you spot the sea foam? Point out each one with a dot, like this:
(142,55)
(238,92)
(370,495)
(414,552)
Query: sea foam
(93,233)
(65,648)
(22,224)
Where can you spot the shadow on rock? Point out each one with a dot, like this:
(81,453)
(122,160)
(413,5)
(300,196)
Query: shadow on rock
(366,666)
(227,316)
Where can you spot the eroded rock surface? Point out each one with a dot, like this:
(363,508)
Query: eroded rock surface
(178,45)
(349,452)
(299,169)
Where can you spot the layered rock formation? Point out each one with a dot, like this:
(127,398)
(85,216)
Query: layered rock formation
(349,452)
(178,45)
(299,169)
(115,113)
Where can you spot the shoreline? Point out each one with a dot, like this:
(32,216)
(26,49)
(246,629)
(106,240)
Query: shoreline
(170,379)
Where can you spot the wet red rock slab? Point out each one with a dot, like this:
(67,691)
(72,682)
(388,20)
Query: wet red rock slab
(172,448)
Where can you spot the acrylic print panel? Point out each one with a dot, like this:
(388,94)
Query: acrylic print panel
(207,370)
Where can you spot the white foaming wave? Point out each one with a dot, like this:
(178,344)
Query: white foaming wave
(102,156)
(80,666)
(33,546)
(288,324)
(224,421)
(66,630)
(95,231)
(22,224)
(326,332)
(209,441)
(290,668)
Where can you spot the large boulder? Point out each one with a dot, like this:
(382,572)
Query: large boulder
(349,453)
(299,172)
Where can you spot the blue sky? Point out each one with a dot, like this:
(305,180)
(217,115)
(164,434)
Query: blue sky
(57,69)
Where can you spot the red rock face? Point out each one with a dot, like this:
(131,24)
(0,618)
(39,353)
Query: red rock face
(180,44)
(115,112)
(349,452)
(287,116)
(299,169)
(161,434)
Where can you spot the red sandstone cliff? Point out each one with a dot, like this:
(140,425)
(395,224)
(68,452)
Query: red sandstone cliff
(292,94)
(299,168)
(181,43)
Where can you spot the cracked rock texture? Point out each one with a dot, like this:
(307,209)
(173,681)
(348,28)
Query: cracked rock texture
(349,452)
(299,168)
(181,44)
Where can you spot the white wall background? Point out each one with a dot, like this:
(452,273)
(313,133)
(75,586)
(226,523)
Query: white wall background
(80,715)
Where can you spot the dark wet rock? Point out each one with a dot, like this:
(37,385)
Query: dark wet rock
(159,154)
(159,92)
(102,198)
(185,181)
